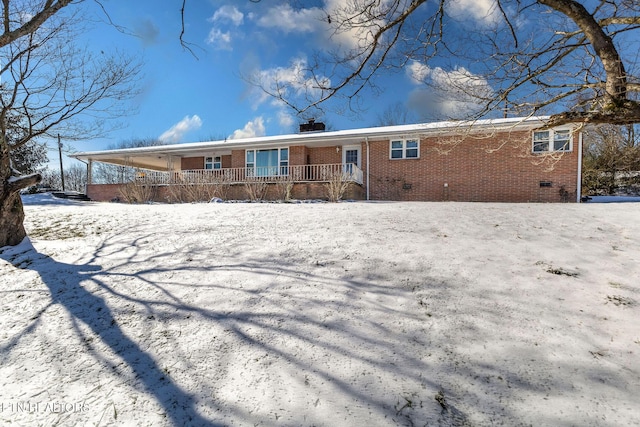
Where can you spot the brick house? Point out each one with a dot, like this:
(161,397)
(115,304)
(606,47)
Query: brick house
(499,160)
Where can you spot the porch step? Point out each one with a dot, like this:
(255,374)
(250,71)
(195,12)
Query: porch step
(71,195)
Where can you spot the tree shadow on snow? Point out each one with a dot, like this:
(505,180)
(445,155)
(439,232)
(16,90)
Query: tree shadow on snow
(66,283)
(78,289)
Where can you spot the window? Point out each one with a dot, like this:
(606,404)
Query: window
(405,149)
(267,162)
(284,161)
(552,140)
(213,162)
(561,140)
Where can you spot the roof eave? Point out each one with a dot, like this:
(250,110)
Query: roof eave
(320,138)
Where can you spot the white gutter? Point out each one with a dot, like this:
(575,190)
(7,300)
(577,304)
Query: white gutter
(344,136)
(366,140)
(579,187)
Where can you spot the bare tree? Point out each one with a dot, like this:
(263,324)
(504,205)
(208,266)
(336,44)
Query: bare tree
(75,178)
(394,114)
(48,86)
(103,173)
(611,160)
(576,56)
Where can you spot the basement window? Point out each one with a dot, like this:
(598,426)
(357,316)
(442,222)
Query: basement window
(404,149)
(552,140)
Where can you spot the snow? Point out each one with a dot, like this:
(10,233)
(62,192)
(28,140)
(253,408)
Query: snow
(614,199)
(321,314)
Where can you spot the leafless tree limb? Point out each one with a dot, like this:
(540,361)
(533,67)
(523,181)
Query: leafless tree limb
(49,86)
(572,59)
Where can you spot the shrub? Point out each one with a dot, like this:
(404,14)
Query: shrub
(338,183)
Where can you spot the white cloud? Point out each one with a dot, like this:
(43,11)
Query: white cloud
(221,40)
(228,13)
(253,128)
(285,120)
(177,131)
(483,11)
(289,82)
(451,94)
(225,15)
(418,72)
(284,18)
(316,21)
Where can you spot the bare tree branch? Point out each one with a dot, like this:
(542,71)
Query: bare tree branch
(570,60)
(50,86)
(49,9)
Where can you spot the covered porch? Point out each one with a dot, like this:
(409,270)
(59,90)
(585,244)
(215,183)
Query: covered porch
(270,175)
(199,185)
(308,163)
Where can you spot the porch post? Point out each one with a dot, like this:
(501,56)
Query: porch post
(89,172)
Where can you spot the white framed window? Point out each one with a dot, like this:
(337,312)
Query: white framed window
(404,149)
(545,141)
(270,162)
(214,162)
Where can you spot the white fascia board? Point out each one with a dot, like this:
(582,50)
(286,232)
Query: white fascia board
(322,138)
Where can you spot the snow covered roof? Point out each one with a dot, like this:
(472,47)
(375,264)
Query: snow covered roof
(155,157)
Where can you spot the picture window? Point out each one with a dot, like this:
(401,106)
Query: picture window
(271,162)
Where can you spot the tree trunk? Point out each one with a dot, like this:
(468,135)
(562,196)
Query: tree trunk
(12,230)
(617,107)
(602,44)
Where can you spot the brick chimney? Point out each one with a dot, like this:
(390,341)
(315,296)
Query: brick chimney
(312,126)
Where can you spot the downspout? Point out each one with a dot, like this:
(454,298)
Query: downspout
(579,187)
(366,139)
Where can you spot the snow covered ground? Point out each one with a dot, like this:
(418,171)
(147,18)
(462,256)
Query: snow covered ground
(347,314)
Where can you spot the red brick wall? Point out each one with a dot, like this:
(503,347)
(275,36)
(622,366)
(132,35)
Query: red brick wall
(298,155)
(499,168)
(238,159)
(103,192)
(493,169)
(111,192)
(190,163)
(324,155)
(300,191)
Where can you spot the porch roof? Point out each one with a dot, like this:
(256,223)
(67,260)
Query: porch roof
(158,157)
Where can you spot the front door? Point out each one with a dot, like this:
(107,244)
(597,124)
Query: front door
(350,157)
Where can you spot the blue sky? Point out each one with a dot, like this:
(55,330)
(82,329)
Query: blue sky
(186,98)
(183,98)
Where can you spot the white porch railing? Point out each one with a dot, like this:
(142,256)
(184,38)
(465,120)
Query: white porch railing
(297,173)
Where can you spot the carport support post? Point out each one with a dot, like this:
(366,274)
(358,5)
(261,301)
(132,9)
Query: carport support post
(61,169)
(89,172)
